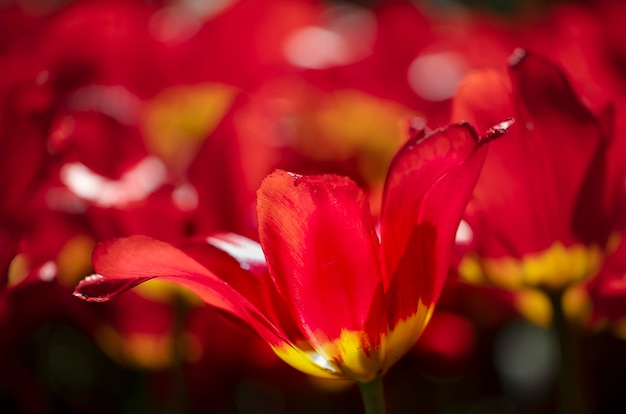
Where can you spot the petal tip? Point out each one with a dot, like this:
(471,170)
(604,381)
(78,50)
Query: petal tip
(278,175)
(98,288)
(497,130)
(85,284)
(87,298)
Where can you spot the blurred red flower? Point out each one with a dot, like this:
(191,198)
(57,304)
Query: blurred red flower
(546,204)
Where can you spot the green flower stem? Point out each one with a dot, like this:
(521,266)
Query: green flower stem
(178,399)
(571,397)
(373,396)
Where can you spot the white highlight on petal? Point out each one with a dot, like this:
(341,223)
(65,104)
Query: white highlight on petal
(93,278)
(320,361)
(247,252)
(185,197)
(316,48)
(435,77)
(181,21)
(134,185)
(346,36)
(174,25)
(48,271)
(115,101)
(205,9)
(464,233)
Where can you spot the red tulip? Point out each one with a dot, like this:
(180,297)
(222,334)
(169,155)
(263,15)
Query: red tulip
(545,206)
(329,296)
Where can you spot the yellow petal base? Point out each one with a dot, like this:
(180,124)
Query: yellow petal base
(353,355)
(553,269)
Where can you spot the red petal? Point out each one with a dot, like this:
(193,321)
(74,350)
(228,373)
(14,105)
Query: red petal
(571,138)
(427,189)
(322,251)
(124,263)
(97,288)
(542,181)
(240,262)
(483,98)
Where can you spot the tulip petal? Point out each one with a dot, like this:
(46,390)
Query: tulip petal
(240,262)
(122,260)
(124,263)
(427,189)
(322,251)
(335,359)
(97,288)
(482,99)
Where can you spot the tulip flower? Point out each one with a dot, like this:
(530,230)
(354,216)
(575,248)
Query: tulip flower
(546,209)
(329,297)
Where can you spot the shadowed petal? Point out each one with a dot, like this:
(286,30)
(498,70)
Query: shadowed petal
(427,189)
(572,139)
(240,262)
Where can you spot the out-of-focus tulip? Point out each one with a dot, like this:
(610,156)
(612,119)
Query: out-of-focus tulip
(544,210)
